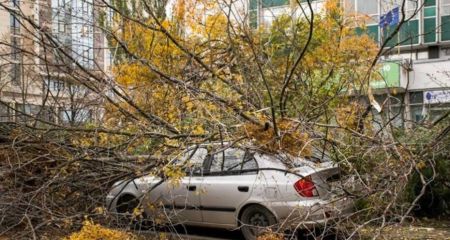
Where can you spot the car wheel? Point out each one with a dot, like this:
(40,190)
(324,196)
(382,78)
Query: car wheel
(255,220)
(126,204)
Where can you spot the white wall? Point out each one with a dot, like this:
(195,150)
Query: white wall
(430,74)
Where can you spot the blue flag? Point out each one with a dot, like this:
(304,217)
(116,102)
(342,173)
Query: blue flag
(391,18)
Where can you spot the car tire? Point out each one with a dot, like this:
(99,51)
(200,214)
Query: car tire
(125,207)
(126,204)
(255,220)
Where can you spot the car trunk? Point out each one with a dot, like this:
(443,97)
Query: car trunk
(325,176)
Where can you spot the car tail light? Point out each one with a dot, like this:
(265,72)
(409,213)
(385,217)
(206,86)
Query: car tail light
(305,187)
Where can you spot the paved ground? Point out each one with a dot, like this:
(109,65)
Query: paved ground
(418,231)
(194,233)
(197,233)
(439,231)
(430,230)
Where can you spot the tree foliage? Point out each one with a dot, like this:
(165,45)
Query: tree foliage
(203,85)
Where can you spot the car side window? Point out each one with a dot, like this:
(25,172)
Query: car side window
(194,159)
(230,162)
(249,165)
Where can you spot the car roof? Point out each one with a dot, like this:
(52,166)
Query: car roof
(317,154)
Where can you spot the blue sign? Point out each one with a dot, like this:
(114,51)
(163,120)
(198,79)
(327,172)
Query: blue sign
(436,97)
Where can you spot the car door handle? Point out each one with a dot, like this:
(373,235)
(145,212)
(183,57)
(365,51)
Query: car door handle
(191,188)
(243,188)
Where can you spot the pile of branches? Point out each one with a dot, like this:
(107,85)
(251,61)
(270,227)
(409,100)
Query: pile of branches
(45,181)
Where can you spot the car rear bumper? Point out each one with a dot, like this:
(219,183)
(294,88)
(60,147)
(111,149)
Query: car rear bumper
(311,213)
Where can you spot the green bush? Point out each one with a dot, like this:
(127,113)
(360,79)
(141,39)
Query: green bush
(435,167)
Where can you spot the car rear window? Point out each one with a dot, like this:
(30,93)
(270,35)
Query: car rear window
(317,156)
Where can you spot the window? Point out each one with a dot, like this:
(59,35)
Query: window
(22,112)
(369,11)
(437,111)
(4,112)
(66,116)
(409,34)
(416,97)
(253,13)
(371,30)
(26,112)
(429,21)
(15,3)
(253,18)
(85,6)
(416,106)
(249,165)
(61,27)
(62,4)
(86,54)
(193,160)
(46,114)
(75,115)
(56,85)
(231,161)
(412,8)
(274,3)
(60,18)
(78,90)
(14,24)
(16,60)
(15,48)
(368,8)
(84,30)
(16,72)
(445,20)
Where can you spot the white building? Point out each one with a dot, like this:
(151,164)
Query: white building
(44,87)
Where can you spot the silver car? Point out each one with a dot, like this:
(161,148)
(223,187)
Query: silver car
(234,187)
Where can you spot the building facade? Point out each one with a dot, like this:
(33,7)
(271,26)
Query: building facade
(416,84)
(48,48)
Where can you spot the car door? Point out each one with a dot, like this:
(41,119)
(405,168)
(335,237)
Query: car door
(227,184)
(181,200)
